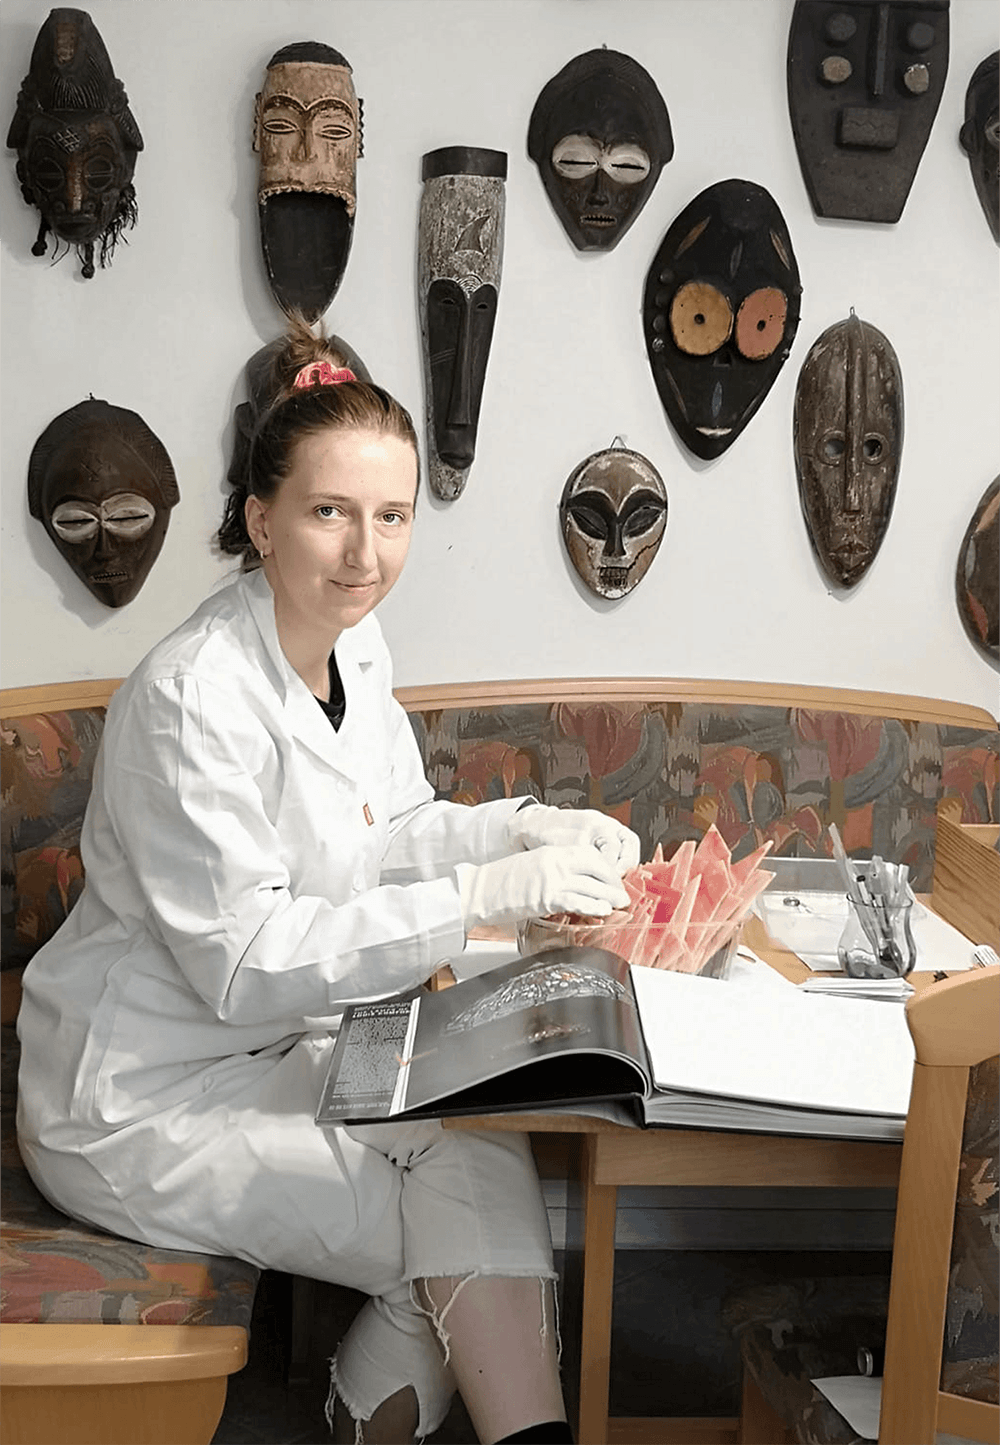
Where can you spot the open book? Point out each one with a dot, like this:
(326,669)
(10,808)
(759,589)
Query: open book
(576,1030)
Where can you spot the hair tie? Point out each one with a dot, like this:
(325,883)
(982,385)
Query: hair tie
(321,373)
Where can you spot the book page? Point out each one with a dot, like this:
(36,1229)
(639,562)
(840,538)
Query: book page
(775,1045)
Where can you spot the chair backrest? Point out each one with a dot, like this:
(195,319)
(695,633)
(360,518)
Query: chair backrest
(942,1337)
(49,738)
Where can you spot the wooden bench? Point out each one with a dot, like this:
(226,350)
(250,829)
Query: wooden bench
(666,756)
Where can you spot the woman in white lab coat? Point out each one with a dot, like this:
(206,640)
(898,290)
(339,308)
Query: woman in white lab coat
(261,847)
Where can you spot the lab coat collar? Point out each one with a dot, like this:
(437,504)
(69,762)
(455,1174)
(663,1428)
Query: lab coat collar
(356,651)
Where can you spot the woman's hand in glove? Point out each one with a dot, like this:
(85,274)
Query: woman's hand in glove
(545,880)
(538,827)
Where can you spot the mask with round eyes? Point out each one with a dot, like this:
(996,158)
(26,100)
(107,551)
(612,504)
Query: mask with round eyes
(614,513)
(848,437)
(102,485)
(76,140)
(977,576)
(460,256)
(720,310)
(600,135)
(865,80)
(308,133)
(980,138)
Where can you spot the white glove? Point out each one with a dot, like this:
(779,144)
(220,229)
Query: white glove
(538,827)
(532,885)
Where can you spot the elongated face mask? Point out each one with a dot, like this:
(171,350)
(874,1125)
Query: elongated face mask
(980,138)
(600,135)
(614,514)
(307,130)
(720,310)
(864,84)
(848,437)
(76,140)
(102,485)
(458,278)
(977,576)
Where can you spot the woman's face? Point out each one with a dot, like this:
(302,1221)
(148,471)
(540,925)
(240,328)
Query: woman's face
(335,535)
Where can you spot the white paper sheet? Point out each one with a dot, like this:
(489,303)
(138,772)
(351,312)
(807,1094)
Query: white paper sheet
(777,1045)
(859,1398)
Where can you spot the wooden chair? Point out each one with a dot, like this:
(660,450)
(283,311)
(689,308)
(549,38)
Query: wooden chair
(943,1243)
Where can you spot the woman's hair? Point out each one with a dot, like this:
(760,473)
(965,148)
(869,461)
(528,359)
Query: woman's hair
(280,414)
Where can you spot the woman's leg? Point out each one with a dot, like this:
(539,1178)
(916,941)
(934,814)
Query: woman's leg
(501,1348)
(478,1254)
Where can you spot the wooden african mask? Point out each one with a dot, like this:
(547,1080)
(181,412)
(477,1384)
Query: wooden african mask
(600,135)
(460,255)
(864,83)
(308,133)
(614,513)
(720,310)
(977,576)
(980,138)
(263,384)
(76,140)
(848,438)
(102,485)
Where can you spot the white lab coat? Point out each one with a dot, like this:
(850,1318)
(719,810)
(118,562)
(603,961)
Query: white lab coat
(248,872)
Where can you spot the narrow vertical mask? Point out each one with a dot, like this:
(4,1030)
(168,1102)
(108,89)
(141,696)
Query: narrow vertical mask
(102,485)
(720,311)
(613,512)
(76,140)
(980,138)
(308,134)
(848,438)
(977,575)
(600,135)
(460,256)
(865,80)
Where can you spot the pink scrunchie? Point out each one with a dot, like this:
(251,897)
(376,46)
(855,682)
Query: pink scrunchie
(321,373)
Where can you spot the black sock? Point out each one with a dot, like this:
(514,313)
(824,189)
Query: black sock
(549,1432)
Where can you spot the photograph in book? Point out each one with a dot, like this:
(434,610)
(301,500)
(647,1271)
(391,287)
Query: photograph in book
(577,1030)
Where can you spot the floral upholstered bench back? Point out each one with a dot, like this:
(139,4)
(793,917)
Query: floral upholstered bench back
(670,769)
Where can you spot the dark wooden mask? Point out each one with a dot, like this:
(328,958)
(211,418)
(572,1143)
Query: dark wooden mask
(308,134)
(848,438)
(864,83)
(600,135)
(76,140)
(980,138)
(720,310)
(613,512)
(102,485)
(460,258)
(977,576)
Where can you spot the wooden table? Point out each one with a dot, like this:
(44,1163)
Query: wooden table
(609,1156)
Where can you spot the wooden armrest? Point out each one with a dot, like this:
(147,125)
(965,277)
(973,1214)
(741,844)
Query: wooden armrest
(93,1354)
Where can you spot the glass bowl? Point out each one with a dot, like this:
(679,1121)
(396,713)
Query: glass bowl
(706,948)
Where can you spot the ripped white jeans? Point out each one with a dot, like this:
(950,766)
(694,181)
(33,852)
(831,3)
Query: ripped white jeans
(459,1203)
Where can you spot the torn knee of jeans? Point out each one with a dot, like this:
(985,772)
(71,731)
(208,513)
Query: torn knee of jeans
(357,1415)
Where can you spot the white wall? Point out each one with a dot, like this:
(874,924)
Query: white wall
(488,592)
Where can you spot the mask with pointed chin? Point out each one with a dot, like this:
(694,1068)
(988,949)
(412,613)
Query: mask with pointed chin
(720,310)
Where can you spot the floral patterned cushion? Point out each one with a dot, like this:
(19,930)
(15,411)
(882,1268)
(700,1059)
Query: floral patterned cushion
(670,769)
(972,1328)
(56,1269)
(46,765)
